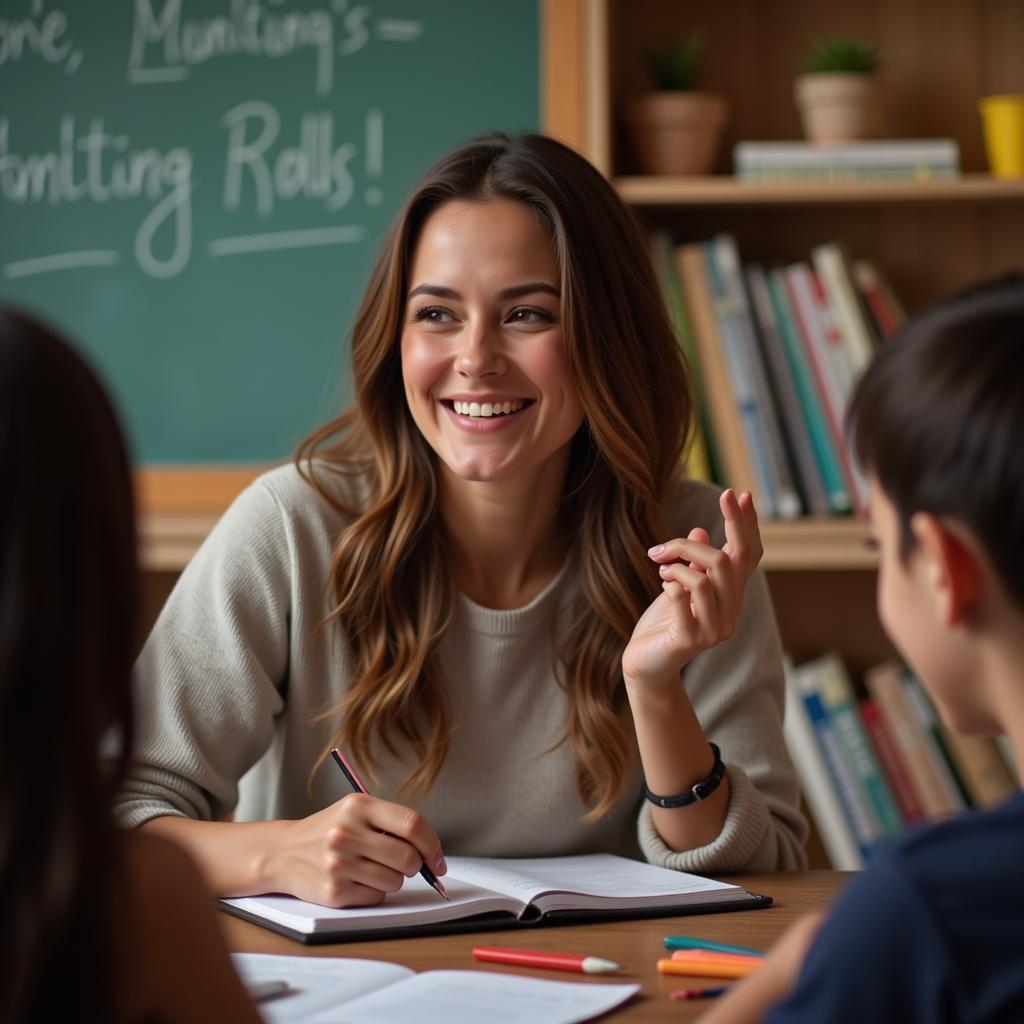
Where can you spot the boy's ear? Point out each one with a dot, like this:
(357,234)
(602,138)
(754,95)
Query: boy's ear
(950,564)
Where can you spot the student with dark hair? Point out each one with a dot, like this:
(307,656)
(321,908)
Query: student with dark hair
(931,931)
(96,923)
(486,581)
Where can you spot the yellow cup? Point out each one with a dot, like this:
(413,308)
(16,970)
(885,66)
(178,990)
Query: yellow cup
(1002,121)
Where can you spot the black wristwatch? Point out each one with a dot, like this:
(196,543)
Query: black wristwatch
(698,791)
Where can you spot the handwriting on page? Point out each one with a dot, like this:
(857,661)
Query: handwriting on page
(269,163)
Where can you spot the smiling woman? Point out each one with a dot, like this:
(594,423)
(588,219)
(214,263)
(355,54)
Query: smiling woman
(485,580)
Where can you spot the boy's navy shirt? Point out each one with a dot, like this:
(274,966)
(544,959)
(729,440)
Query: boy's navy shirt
(932,931)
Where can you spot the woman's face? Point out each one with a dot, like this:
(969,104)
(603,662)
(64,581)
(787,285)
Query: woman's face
(485,375)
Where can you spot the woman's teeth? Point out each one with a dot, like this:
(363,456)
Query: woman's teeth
(476,410)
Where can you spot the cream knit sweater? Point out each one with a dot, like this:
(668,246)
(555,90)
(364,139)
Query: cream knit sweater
(235,673)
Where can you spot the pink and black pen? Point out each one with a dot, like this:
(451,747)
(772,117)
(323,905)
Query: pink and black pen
(357,784)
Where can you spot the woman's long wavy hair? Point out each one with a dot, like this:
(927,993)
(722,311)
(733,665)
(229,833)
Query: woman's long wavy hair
(67,643)
(390,571)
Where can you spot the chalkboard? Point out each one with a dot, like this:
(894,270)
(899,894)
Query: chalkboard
(195,189)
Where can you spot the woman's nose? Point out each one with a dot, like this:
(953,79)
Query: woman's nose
(479,352)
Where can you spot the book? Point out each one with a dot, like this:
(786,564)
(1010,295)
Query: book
(326,990)
(697,464)
(832,369)
(812,770)
(886,311)
(488,893)
(884,683)
(980,764)
(815,417)
(858,810)
(750,376)
(728,444)
(844,302)
(838,698)
(934,743)
(892,765)
(867,160)
(796,436)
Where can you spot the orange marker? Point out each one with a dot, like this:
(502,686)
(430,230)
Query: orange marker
(713,957)
(706,968)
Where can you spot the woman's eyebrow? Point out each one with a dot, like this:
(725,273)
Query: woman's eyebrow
(515,292)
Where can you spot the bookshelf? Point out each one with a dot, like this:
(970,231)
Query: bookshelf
(928,238)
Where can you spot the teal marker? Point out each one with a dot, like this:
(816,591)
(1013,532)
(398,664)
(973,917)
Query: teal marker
(691,942)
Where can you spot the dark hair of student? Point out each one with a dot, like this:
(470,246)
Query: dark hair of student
(67,604)
(394,593)
(938,419)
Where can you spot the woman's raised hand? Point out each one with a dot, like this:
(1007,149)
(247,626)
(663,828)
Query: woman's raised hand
(354,852)
(701,598)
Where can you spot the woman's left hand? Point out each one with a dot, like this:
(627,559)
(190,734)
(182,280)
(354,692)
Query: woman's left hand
(701,598)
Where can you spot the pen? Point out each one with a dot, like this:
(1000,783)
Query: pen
(692,942)
(707,968)
(537,958)
(356,783)
(698,993)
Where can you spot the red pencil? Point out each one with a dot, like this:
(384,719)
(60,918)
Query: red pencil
(538,958)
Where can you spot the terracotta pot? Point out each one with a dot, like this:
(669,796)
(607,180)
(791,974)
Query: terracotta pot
(836,107)
(676,132)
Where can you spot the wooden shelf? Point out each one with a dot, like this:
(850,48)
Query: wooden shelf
(169,539)
(722,190)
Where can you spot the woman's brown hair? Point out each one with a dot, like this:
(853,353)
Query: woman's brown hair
(67,642)
(392,584)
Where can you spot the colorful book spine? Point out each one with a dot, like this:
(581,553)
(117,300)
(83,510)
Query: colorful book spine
(833,271)
(888,314)
(726,257)
(816,784)
(741,384)
(885,684)
(858,809)
(837,695)
(728,446)
(981,766)
(921,708)
(697,464)
(831,367)
(811,402)
(796,435)
(892,765)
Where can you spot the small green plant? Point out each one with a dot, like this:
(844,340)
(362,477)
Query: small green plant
(833,54)
(675,65)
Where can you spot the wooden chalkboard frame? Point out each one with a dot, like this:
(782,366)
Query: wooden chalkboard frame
(179,504)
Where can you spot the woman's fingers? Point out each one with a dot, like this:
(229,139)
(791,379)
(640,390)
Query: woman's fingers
(697,602)
(742,534)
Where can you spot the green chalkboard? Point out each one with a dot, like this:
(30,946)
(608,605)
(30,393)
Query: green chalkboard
(195,189)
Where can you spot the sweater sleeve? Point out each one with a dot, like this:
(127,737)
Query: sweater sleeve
(737,691)
(210,679)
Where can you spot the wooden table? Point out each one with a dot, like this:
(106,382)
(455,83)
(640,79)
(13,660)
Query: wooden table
(637,945)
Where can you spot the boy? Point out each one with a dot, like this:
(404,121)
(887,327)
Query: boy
(933,930)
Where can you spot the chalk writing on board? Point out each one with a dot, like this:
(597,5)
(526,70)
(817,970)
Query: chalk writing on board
(43,35)
(268,162)
(166,44)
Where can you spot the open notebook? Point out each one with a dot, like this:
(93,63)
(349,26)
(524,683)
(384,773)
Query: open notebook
(490,892)
(332,990)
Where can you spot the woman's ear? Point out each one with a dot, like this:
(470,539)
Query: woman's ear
(949,565)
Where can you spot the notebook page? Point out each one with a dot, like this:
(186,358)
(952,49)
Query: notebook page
(320,983)
(611,880)
(415,903)
(469,997)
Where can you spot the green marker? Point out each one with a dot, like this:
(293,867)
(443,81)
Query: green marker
(690,942)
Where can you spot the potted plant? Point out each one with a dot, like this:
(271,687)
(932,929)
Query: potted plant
(836,93)
(675,128)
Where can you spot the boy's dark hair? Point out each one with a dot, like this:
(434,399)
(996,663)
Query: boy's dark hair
(938,419)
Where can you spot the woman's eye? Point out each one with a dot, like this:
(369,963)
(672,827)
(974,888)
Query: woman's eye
(529,315)
(432,315)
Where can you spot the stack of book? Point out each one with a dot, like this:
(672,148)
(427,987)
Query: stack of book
(872,766)
(787,163)
(774,353)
